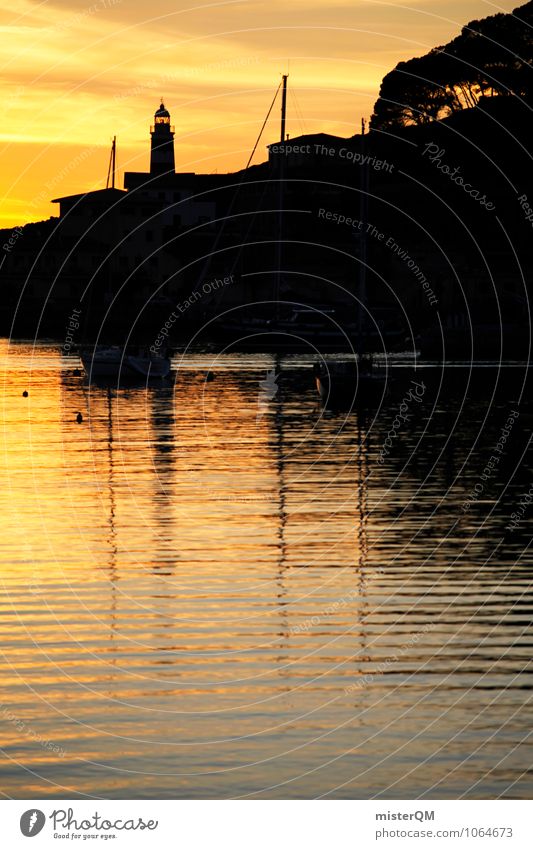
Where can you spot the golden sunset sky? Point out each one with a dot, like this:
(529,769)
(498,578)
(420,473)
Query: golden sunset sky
(73,74)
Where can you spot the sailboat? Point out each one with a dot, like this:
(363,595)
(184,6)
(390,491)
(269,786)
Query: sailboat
(115,362)
(357,381)
(256,323)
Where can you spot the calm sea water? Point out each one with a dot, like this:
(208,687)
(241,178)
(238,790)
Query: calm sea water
(216,589)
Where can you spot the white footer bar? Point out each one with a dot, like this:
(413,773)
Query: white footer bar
(267,824)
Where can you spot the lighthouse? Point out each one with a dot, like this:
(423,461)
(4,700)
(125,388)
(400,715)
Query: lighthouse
(162,149)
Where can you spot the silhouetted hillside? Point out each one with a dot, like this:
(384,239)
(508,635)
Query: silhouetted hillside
(490,58)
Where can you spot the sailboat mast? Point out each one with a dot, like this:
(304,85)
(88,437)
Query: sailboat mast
(114,161)
(284,106)
(112,164)
(281,196)
(363,244)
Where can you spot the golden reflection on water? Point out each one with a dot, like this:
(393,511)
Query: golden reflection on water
(208,596)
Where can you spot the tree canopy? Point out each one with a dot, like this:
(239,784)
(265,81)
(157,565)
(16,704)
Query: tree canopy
(491,57)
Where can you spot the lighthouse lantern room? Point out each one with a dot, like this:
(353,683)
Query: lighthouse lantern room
(162,149)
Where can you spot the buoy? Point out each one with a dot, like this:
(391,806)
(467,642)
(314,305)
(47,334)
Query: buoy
(25,394)
(209,376)
(79,418)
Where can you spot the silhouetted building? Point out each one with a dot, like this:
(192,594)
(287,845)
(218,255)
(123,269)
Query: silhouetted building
(88,211)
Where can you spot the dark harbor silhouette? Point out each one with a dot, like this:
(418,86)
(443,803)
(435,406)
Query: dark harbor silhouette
(270,257)
(268,478)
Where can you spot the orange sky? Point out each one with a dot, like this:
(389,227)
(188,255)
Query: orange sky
(74,73)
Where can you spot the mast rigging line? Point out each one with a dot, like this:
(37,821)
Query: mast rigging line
(263,127)
(112,164)
(298,111)
(220,231)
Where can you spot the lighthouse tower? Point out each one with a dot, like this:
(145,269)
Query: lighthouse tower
(162,150)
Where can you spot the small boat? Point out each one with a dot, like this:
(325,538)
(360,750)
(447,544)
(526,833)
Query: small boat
(115,362)
(297,329)
(346,384)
